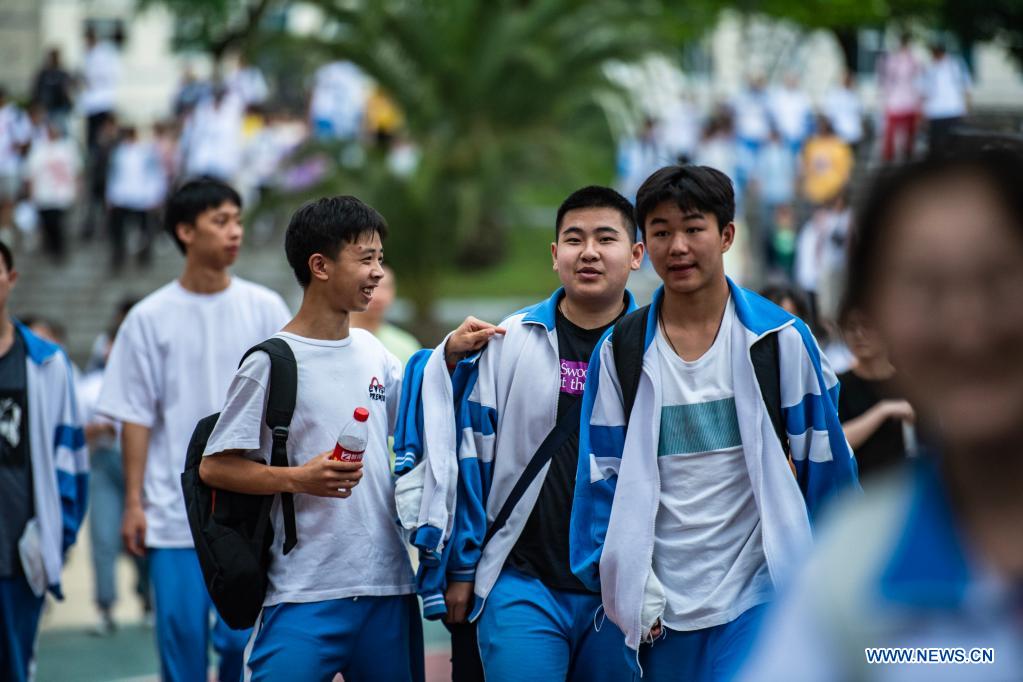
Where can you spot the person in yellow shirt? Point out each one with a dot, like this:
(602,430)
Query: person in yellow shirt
(827,164)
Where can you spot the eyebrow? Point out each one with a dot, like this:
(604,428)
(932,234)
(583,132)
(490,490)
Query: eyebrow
(575,229)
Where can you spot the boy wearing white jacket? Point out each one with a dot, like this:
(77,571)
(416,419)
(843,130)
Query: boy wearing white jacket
(690,518)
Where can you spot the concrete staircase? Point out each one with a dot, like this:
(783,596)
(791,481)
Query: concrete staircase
(82,293)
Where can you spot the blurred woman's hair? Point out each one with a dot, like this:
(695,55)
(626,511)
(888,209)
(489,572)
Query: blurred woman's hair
(996,161)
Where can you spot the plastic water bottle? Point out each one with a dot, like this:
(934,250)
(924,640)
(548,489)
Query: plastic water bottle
(351,442)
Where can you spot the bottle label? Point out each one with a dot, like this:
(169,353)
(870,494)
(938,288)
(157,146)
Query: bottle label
(341,454)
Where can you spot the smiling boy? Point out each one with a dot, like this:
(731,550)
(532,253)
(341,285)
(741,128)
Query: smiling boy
(509,563)
(170,366)
(688,519)
(341,601)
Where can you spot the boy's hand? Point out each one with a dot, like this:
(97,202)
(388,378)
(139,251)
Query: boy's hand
(133,529)
(470,336)
(325,477)
(458,599)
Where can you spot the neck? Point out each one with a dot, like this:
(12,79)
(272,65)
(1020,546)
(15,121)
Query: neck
(201,279)
(701,307)
(590,314)
(6,331)
(874,369)
(988,496)
(317,320)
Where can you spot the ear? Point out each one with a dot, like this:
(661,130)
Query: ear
(185,233)
(319,267)
(638,249)
(554,256)
(727,237)
(12,277)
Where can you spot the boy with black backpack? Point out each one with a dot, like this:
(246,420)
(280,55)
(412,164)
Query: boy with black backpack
(169,367)
(340,590)
(709,440)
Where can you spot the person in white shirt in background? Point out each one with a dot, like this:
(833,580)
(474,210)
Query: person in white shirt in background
(15,134)
(101,73)
(248,84)
(752,128)
(946,87)
(338,101)
(53,174)
(211,140)
(791,112)
(897,76)
(136,186)
(844,109)
(171,364)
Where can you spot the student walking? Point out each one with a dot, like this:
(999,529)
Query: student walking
(171,365)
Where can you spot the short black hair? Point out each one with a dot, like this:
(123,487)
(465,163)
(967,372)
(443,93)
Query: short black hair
(5,253)
(192,198)
(998,161)
(324,226)
(596,196)
(692,188)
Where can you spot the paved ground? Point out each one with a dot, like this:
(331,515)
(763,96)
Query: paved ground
(67,649)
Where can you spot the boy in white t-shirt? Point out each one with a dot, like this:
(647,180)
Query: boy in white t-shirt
(696,513)
(342,600)
(170,366)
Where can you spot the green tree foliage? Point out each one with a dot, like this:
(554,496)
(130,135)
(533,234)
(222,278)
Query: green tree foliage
(499,97)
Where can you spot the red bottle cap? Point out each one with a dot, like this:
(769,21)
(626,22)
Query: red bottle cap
(361,414)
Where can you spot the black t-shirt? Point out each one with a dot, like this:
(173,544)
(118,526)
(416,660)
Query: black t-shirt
(885,447)
(542,549)
(15,457)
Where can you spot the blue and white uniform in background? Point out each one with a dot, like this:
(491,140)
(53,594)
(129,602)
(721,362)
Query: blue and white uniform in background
(43,450)
(702,555)
(895,568)
(532,623)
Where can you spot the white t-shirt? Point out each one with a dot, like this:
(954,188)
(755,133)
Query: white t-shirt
(170,366)
(102,71)
(137,178)
(53,167)
(790,110)
(843,108)
(946,83)
(346,547)
(15,130)
(708,551)
(899,73)
(212,138)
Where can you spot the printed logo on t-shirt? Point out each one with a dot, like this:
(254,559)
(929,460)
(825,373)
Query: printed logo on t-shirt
(10,422)
(376,390)
(573,376)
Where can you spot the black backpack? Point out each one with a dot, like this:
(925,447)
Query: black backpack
(627,341)
(232,531)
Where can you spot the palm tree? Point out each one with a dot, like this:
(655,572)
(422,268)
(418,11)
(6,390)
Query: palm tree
(498,96)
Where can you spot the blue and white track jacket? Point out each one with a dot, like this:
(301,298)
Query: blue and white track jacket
(505,403)
(612,544)
(60,460)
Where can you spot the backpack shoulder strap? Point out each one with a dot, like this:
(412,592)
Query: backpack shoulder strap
(627,348)
(764,355)
(280,407)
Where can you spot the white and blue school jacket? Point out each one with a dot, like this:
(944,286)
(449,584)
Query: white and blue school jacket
(511,408)
(617,490)
(505,404)
(60,459)
(426,465)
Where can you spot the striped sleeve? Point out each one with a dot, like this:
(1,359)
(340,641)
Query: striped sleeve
(601,441)
(71,458)
(822,457)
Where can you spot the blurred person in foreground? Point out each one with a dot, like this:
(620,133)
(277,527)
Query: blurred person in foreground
(373,320)
(930,557)
(43,478)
